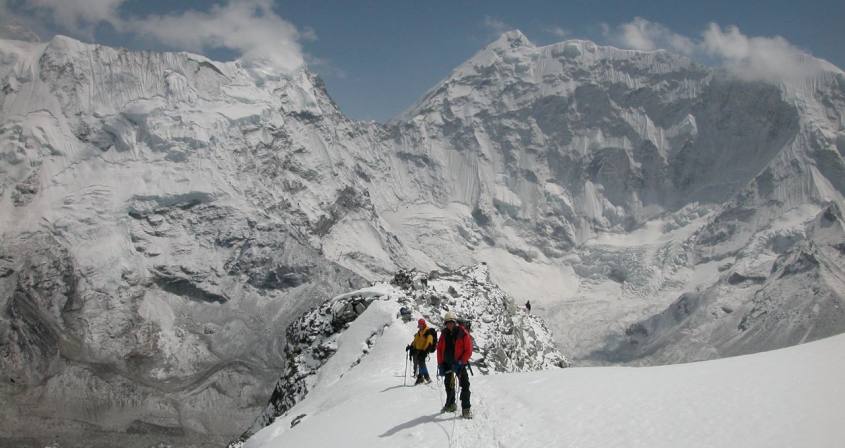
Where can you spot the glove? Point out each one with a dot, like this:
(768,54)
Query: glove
(408,348)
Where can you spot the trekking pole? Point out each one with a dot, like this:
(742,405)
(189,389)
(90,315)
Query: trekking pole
(440,389)
(405,376)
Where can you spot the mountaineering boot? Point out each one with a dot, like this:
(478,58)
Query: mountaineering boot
(419,380)
(466,413)
(449,408)
(427,379)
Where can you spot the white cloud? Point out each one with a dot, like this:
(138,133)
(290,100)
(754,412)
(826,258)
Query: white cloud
(558,32)
(771,59)
(766,58)
(308,34)
(324,67)
(495,25)
(642,34)
(249,27)
(80,17)
(13,26)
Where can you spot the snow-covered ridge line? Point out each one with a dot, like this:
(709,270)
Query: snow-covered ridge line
(513,45)
(505,337)
(311,341)
(784,398)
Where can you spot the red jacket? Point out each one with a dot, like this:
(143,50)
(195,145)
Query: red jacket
(463,345)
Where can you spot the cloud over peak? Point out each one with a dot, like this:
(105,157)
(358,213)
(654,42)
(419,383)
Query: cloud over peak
(250,28)
(641,34)
(771,59)
(765,58)
(496,26)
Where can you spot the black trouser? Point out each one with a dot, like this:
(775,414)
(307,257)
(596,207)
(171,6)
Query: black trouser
(463,380)
(420,369)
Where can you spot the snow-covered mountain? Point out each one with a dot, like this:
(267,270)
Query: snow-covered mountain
(608,183)
(165,217)
(160,215)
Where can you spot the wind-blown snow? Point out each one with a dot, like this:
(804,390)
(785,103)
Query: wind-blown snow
(784,398)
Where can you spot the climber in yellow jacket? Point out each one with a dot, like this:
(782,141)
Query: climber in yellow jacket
(425,342)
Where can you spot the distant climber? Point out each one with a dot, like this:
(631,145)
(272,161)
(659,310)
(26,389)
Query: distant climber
(453,352)
(528,306)
(425,341)
(405,314)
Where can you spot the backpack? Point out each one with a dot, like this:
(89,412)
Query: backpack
(433,347)
(467,324)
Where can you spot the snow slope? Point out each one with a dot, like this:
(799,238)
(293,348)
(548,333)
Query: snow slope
(783,398)
(506,338)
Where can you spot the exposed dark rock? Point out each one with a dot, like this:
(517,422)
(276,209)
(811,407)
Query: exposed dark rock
(803,262)
(481,218)
(25,191)
(736,278)
(141,427)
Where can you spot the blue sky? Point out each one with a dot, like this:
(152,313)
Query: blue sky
(378,57)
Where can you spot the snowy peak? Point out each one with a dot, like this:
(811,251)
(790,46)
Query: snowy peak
(508,41)
(103,80)
(505,48)
(551,148)
(513,72)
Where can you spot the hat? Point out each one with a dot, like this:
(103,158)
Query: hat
(449,316)
(421,322)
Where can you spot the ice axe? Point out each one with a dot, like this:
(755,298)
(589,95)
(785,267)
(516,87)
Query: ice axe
(405,376)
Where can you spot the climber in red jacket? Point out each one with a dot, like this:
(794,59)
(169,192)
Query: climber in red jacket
(453,352)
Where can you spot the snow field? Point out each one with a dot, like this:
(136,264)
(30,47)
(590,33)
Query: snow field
(784,398)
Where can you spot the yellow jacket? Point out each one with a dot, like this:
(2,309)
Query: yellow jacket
(421,340)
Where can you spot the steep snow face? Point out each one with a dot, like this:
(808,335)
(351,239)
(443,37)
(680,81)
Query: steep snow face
(786,290)
(331,340)
(157,212)
(622,179)
(563,141)
(783,398)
